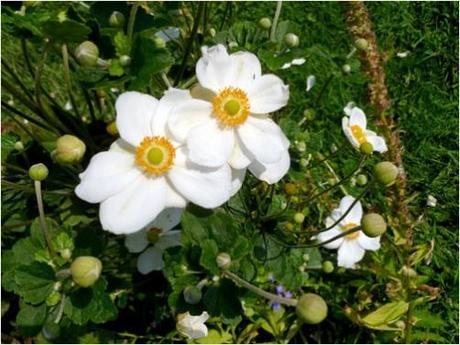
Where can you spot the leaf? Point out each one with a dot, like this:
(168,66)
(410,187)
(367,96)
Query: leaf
(222,300)
(240,249)
(116,69)
(208,256)
(215,337)
(425,319)
(30,319)
(34,282)
(386,314)
(8,141)
(122,44)
(66,31)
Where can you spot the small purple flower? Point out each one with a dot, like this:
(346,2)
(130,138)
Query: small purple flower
(288,294)
(279,289)
(276,306)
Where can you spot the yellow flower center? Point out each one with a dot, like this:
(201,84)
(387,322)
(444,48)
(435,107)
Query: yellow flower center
(153,235)
(155,155)
(350,226)
(231,106)
(358,133)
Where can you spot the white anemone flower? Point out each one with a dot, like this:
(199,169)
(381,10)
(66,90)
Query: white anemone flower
(351,248)
(146,170)
(354,126)
(231,123)
(154,239)
(192,327)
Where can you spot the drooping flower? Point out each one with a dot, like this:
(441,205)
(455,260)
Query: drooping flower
(192,327)
(146,170)
(351,248)
(354,126)
(159,236)
(229,122)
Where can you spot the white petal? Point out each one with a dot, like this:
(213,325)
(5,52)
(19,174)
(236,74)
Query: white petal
(355,214)
(299,62)
(286,65)
(358,118)
(347,131)
(327,235)
(122,146)
(135,111)
(107,174)
(134,207)
(348,108)
(263,139)
(191,326)
(188,115)
(267,94)
(378,143)
(350,252)
(150,260)
(173,198)
(237,180)
(137,242)
(167,219)
(246,68)
(168,240)
(368,243)
(210,144)
(205,187)
(239,158)
(171,98)
(271,172)
(214,70)
(311,80)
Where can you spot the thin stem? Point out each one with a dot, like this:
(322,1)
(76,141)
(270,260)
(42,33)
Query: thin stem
(41,212)
(131,20)
(61,310)
(336,177)
(166,80)
(27,117)
(275,20)
(351,53)
(65,59)
(323,89)
(189,82)
(38,73)
(90,104)
(272,297)
(228,4)
(9,69)
(26,57)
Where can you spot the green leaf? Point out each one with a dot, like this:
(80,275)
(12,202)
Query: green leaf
(386,314)
(122,44)
(34,282)
(222,300)
(215,337)
(66,31)
(208,256)
(116,69)
(240,249)
(30,319)
(8,141)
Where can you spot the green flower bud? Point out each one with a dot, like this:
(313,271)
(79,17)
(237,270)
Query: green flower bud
(86,270)
(69,150)
(125,60)
(328,267)
(66,253)
(303,162)
(386,173)
(289,226)
(346,68)
(361,179)
(366,148)
(117,19)
(87,54)
(311,308)
(331,181)
(223,261)
(38,172)
(373,224)
(112,129)
(232,44)
(291,40)
(295,199)
(299,218)
(53,298)
(265,23)
(51,330)
(159,42)
(212,32)
(19,146)
(290,189)
(192,295)
(309,114)
(301,146)
(361,44)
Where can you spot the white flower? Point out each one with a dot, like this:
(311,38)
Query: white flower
(311,81)
(352,246)
(147,171)
(296,62)
(431,201)
(160,236)
(354,126)
(192,327)
(231,124)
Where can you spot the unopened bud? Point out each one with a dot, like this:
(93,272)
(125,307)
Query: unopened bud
(125,60)
(117,19)
(301,146)
(328,267)
(386,173)
(311,308)
(66,253)
(303,162)
(309,114)
(346,68)
(361,179)
(192,295)
(112,129)
(361,44)
(223,261)
(87,54)
(265,23)
(290,189)
(366,148)
(212,32)
(19,146)
(86,270)
(232,44)
(373,224)
(38,172)
(69,149)
(289,226)
(159,42)
(299,218)
(291,40)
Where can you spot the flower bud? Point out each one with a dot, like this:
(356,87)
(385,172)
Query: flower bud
(331,181)
(311,308)
(346,68)
(301,146)
(87,54)
(66,253)
(265,23)
(112,129)
(192,295)
(309,114)
(69,149)
(299,218)
(223,261)
(212,32)
(289,226)
(38,172)
(125,60)
(232,44)
(19,146)
(303,162)
(117,19)
(361,179)
(373,224)
(159,42)
(86,270)
(290,189)
(361,44)
(386,173)
(328,267)
(291,40)
(366,148)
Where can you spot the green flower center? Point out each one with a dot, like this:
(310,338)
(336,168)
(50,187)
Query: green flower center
(155,156)
(232,107)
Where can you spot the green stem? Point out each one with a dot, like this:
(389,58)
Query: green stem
(131,20)
(65,59)
(166,80)
(275,20)
(61,310)
(323,89)
(39,71)
(41,212)
(27,117)
(336,177)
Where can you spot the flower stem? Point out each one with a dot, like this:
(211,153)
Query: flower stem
(41,213)
(275,20)
(272,297)
(61,310)
(131,20)
(166,80)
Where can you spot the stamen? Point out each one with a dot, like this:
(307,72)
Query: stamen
(358,133)
(350,226)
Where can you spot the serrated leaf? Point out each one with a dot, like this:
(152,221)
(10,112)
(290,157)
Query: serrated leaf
(241,248)
(116,69)
(66,31)
(30,319)
(34,282)
(386,314)
(208,256)
(122,44)
(222,300)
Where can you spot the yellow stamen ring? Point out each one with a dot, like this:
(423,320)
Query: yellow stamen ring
(155,155)
(231,106)
(358,133)
(350,226)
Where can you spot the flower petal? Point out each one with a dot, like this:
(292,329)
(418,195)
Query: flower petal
(191,326)
(210,144)
(327,235)
(358,118)
(246,68)
(150,260)
(311,80)
(133,208)
(237,180)
(135,111)
(239,158)
(368,243)
(267,94)
(347,131)
(173,198)
(348,108)
(171,98)
(214,69)
(168,240)
(271,172)
(378,143)
(167,219)
(137,241)
(350,252)
(355,214)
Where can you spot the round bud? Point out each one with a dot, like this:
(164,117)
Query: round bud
(295,199)
(301,146)
(223,261)
(117,19)
(346,68)
(38,172)
(386,173)
(125,60)
(291,40)
(361,179)
(51,330)
(309,114)
(69,149)
(299,218)
(289,226)
(290,189)
(303,162)
(373,224)
(192,295)
(159,42)
(311,308)
(232,44)
(265,23)
(331,181)
(87,54)
(53,298)
(328,267)
(212,32)
(86,270)
(361,44)
(333,148)
(366,148)
(112,129)
(66,253)
(19,146)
